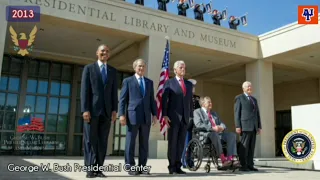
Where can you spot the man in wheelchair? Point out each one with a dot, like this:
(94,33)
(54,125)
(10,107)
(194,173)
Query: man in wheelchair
(214,131)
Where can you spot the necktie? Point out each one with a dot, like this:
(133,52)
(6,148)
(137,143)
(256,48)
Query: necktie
(141,86)
(252,102)
(183,86)
(104,74)
(211,119)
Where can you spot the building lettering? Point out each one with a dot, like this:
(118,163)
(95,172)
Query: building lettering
(145,24)
(132,21)
(184,33)
(216,40)
(74,8)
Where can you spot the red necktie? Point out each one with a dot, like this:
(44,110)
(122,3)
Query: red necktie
(211,119)
(183,86)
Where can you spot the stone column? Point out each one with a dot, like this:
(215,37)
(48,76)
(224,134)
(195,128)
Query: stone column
(199,87)
(152,51)
(260,74)
(3,30)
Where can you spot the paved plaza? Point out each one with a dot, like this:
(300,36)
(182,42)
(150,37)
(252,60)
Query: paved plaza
(158,170)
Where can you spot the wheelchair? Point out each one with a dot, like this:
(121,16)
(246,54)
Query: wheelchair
(199,148)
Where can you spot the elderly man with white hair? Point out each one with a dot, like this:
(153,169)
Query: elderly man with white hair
(215,131)
(248,125)
(177,110)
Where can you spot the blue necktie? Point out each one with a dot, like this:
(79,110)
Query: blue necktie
(104,75)
(141,86)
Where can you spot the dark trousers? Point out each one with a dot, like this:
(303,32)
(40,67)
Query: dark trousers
(132,131)
(188,158)
(176,139)
(248,142)
(96,135)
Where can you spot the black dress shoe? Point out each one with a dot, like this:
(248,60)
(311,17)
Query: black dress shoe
(100,174)
(90,175)
(253,169)
(179,171)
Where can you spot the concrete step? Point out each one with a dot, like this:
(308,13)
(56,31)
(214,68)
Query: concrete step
(284,163)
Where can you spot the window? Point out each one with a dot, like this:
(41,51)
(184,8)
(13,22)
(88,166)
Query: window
(10,86)
(78,129)
(48,96)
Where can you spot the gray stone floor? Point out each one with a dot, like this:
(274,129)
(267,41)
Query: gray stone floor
(158,170)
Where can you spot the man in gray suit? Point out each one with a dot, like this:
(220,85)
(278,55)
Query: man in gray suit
(215,131)
(248,125)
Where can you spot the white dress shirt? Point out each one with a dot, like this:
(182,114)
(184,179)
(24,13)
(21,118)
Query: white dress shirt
(142,80)
(100,63)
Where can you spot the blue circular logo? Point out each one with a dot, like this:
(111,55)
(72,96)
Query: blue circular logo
(299,146)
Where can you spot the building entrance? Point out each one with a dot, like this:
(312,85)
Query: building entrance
(283,126)
(40,108)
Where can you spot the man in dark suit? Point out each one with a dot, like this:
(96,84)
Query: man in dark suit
(137,94)
(162,5)
(198,13)
(248,125)
(177,110)
(234,22)
(99,105)
(216,17)
(215,132)
(182,8)
(196,105)
(140,2)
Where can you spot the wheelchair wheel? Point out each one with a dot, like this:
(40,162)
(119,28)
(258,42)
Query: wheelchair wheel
(193,155)
(215,157)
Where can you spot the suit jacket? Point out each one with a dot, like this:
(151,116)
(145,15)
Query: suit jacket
(234,24)
(196,105)
(216,19)
(195,100)
(97,98)
(182,9)
(198,14)
(174,104)
(162,5)
(201,120)
(246,115)
(133,104)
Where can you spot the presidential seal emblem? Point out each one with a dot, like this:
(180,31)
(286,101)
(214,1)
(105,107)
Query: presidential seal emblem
(299,146)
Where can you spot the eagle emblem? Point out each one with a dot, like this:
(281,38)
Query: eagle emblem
(23,45)
(299,146)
